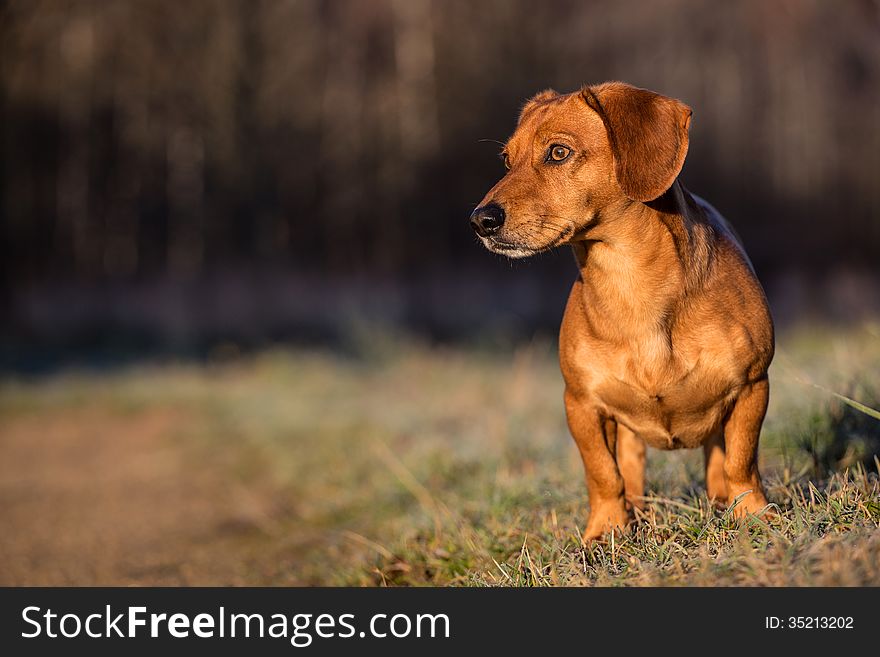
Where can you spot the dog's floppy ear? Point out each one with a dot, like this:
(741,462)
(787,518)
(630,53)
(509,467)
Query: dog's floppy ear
(534,101)
(648,135)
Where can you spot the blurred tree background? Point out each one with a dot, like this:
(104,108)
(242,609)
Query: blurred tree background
(182,173)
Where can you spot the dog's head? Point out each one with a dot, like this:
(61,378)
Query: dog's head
(574,155)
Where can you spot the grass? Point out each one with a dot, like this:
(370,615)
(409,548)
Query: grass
(405,464)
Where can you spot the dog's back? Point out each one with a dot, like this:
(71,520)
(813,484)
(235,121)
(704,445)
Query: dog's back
(720,223)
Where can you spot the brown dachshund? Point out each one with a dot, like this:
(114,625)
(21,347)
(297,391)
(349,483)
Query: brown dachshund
(666,337)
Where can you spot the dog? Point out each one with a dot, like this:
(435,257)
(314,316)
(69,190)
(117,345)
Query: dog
(667,336)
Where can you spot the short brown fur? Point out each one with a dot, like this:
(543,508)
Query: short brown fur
(667,336)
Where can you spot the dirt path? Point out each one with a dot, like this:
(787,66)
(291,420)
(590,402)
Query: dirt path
(92,499)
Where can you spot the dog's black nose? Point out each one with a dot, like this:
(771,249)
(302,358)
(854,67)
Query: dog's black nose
(487,220)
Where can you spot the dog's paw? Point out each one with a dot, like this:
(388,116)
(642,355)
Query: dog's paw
(751,503)
(604,518)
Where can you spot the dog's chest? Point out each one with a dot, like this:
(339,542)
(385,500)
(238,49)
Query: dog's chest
(670,400)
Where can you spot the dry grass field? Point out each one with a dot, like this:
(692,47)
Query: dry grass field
(399,463)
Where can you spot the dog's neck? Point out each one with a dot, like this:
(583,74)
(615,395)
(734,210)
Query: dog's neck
(637,258)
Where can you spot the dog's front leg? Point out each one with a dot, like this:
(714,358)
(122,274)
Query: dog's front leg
(741,431)
(596,438)
(631,462)
(716,480)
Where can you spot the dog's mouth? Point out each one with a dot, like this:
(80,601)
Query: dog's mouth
(510,249)
(513,249)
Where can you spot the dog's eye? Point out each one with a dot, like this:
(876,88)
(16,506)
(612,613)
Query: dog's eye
(558,153)
(506,159)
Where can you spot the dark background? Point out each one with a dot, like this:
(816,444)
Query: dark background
(181,174)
